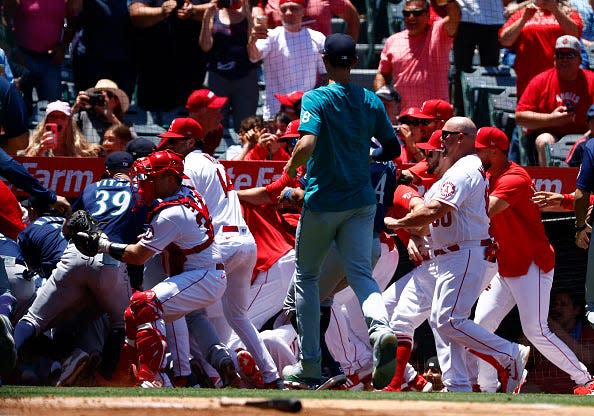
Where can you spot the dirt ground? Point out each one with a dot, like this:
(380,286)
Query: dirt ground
(136,406)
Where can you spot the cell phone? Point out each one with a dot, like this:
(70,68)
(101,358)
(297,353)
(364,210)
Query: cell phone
(53,127)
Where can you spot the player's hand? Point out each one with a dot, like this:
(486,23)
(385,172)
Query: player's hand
(414,249)
(582,238)
(90,244)
(391,223)
(62,205)
(545,199)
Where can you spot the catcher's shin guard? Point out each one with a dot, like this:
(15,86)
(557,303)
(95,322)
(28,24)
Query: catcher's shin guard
(150,347)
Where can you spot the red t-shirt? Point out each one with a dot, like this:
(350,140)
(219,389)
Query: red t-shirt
(11,217)
(518,230)
(535,47)
(261,153)
(401,206)
(547,92)
(271,237)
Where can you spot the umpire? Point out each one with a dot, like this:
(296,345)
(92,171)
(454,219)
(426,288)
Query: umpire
(337,124)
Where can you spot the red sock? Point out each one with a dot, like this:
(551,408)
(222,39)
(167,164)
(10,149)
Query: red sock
(403,352)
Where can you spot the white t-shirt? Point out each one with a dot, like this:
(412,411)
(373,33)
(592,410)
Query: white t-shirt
(292,62)
(464,186)
(208,176)
(482,12)
(186,228)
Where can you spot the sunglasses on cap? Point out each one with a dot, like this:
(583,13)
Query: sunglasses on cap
(568,55)
(416,122)
(415,13)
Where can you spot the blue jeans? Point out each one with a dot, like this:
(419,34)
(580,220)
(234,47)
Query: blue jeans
(352,231)
(46,76)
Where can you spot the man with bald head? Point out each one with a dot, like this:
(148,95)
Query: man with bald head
(456,212)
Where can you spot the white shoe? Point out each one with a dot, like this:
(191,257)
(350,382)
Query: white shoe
(8,354)
(72,367)
(518,373)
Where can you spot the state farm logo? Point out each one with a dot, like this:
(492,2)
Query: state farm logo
(61,180)
(447,189)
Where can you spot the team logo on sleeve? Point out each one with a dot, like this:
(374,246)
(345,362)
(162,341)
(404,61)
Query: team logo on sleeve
(148,235)
(447,189)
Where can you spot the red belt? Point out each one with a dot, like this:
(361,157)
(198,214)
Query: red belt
(220,266)
(455,247)
(230,229)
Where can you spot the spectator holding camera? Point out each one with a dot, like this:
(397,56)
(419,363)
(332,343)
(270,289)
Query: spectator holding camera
(556,101)
(58,135)
(410,133)
(99,108)
(249,131)
(230,73)
(270,146)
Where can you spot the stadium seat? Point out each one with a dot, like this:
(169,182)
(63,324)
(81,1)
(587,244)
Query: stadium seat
(556,153)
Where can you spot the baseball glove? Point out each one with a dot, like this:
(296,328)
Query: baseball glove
(82,229)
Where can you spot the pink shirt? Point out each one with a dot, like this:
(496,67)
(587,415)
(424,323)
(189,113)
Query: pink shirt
(38,24)
(418,65)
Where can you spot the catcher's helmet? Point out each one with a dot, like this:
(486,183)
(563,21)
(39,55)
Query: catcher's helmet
(159,163)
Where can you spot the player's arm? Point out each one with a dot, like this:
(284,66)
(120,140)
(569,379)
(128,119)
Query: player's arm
(496,205)
(255,196)
(128,253)
(420,217)
(301,153)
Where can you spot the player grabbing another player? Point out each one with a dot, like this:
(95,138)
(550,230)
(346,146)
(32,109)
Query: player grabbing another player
(180,228)
(525,258)
(457,217)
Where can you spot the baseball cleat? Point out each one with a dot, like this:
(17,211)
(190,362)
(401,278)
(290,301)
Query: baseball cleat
(249,369)
(294,379)
(352,383)
(228,374)
(586,389)
(73,367)
(420,384)
(8,353)
(518,372)
(384,359)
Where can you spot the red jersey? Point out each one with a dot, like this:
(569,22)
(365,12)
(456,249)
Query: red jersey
(261,153)
(535,47)
(518,230)
(401,206)
(11,216)
(272,238)
(547,92)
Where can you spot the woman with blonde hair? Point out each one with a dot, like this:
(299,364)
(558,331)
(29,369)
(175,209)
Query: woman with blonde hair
(58,135)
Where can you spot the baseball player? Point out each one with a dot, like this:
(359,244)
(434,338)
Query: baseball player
(233,237)
(525,258)
(456,212)
(180,228)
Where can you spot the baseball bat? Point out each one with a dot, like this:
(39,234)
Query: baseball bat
(283,405)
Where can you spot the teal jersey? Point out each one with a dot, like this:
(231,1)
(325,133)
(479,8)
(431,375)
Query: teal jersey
(344,117)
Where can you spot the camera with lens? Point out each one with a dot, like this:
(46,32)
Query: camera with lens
(96,98)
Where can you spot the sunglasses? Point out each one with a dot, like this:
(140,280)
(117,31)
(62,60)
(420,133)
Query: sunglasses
(567,55)
(445,134)
(415,13)
(416,122)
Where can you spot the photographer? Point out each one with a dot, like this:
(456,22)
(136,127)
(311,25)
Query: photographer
(99,108)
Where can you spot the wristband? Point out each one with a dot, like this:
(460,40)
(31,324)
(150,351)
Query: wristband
(288,194)
(116,250)
(103,244)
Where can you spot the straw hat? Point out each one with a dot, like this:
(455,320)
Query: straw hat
(109,85)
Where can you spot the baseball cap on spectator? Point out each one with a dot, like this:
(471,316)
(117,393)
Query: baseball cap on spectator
(590,112)
(181,128)
(413,112)
(491,138)
(434,142)
(109,85)
(388,93)
(568,42)
(281,2)
(204,98)
(340,49)
(439,109)
(292,130)
(118,160)
(290,101)
(61,106)
(140,147)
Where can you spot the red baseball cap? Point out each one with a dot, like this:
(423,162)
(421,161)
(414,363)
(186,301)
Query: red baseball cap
(281,2)
(434,142)
(290,99)
(414,112)
(181,128)
(438,109)
(292,130)
(491,138)
(204,98)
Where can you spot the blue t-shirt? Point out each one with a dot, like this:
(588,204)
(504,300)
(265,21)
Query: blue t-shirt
(110,202)
(383,180)
(43,244)
(344,117)
(585,179)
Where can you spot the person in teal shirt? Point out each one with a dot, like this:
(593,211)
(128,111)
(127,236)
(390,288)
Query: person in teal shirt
(336,126)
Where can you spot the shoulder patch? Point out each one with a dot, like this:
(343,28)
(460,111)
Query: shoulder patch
(447,189)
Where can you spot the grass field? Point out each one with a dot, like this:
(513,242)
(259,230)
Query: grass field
(552,399)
